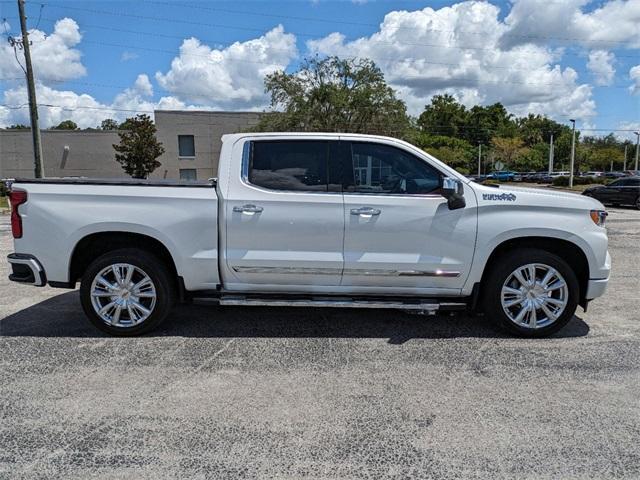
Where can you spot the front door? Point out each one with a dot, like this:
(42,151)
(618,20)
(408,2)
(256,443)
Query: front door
(284,218)
(400,236)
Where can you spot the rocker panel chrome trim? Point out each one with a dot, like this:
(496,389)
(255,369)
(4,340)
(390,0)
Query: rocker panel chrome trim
(349,271)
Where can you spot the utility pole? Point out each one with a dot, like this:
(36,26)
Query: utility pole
(479,157)
(551,155)
(31,88)
(625,158)
(637,148)
(573,153)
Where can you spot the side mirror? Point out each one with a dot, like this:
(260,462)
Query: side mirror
(453,191)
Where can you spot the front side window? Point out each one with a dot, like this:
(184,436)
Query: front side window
(289,165)
(383,169)
(186,146)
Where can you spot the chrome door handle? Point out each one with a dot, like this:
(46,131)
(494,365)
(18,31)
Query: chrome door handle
(249,208)
(365,211)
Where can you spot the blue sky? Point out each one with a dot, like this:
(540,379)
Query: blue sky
(108,59)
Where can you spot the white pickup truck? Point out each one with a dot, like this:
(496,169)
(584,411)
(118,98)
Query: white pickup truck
(311,219)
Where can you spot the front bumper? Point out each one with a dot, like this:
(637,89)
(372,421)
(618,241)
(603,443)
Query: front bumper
(26,269)
(597,286)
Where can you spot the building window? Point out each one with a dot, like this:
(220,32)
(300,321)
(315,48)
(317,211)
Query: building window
(188,174)
(186,146)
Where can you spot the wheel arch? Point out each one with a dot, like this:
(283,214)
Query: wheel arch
(567,250)
(96,244)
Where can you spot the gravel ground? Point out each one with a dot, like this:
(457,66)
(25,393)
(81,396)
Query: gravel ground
(312,393)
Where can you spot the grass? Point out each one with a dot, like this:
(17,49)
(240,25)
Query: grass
(4,202)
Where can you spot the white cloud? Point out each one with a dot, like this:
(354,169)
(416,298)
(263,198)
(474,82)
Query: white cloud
(600,65)
(534,21)
(457,50)
(85,110)
(53,56)
(127,55)
(634,75)
(229,78)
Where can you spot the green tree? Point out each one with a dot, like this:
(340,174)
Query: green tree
(66,125)
(139,148)
(109,124)
(538,129)
(485,122)
(443,116)
(455,152)
(334,95)
(508,150)
(18,126)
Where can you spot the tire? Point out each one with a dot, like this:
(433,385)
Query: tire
(501,284)
(136,309)
(637,204)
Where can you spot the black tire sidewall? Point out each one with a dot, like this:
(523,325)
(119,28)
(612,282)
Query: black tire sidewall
(152,266)
(504,266)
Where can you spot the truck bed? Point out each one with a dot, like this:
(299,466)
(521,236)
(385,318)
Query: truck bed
(139,182)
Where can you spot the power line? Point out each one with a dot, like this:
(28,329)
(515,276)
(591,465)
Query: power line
(216,25)
(223,41)
(334,21)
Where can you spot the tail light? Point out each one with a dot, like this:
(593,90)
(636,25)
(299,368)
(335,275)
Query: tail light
(16,198)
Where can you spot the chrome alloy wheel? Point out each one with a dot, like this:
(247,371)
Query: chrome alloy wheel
(534,295)
(123,295)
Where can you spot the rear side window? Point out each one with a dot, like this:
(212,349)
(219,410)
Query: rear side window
(289,165)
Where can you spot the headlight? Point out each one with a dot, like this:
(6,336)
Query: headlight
(599,217)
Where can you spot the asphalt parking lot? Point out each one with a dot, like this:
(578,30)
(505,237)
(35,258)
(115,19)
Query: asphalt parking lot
(312,393)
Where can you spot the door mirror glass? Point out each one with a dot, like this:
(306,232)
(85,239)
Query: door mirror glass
(453,191)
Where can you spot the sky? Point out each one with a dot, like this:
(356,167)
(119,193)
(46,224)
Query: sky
(94,59)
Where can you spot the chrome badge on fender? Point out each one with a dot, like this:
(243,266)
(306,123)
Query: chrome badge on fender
(503,197)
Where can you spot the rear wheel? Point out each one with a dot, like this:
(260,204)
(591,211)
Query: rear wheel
(531,292)
(127,292)
(638,202)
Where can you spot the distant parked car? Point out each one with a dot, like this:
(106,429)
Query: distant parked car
(615,175)
(624,191)
(592,174)
(546,177)
(502,176)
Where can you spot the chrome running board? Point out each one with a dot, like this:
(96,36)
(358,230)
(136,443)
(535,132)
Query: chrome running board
(417,306)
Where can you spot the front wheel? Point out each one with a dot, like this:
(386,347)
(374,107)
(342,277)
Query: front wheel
(531,292)
(127,292)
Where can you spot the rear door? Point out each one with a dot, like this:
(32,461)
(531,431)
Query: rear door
(629,191)
(400,236)
(284,216)
(614,192)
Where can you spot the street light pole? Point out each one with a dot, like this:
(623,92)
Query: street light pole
(479,158)
(637,148)
(625,158)
(551,155)
(573,153)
